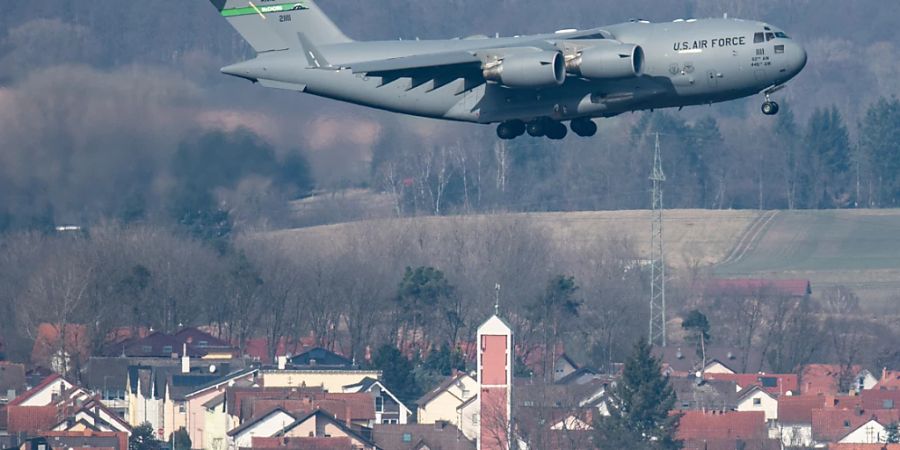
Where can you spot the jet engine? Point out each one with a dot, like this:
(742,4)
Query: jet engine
(528,70)
(607,60)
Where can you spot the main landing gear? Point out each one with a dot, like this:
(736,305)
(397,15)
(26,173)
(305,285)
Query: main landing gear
(584,127)
(551,129)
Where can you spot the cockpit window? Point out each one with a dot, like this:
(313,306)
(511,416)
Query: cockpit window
(758,37)
(780,34)
(770,36)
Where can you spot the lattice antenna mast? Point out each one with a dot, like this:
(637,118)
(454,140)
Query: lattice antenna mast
(657,257)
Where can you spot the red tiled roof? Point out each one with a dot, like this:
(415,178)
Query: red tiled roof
(775,384)
(87,434)
(830,425)
(879,399)
(305,443)
(360,406)
(31,419)
(798,409)
(822,378)
(750,286)
(722,425)
(864,447)
(890,380)
(731,444)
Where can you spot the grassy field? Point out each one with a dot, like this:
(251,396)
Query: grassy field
(692,236)
(856,248)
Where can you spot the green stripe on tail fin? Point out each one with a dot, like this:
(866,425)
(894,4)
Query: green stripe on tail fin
(273,25)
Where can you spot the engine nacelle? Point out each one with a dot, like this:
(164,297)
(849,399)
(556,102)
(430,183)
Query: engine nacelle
(608,60)
(528,70)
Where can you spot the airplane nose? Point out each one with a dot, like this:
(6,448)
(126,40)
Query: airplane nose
(801,58)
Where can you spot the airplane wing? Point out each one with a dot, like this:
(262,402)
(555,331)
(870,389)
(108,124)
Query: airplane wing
(461,59)
(439,68)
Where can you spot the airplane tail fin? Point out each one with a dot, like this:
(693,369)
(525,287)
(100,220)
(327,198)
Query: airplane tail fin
(274,25)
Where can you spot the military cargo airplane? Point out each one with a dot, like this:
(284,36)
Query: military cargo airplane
(527,84)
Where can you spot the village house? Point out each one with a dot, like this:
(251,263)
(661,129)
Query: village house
(441,403)
(755,398)
(826,379)
(316,367)
(389,410)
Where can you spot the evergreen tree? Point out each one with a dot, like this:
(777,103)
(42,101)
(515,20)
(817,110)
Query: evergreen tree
(829,144)
(143,438)
(397,372)
(698,325)
(879,139)
(181,440)
(424,297)
(640,406)
(893,434)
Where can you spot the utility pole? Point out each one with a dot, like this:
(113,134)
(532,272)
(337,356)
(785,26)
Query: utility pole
(657,257)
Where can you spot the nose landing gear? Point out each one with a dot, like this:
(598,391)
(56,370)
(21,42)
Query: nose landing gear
(770,108)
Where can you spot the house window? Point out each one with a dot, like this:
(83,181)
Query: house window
(769,382)
(379,404)
(389,422)
(888,404)
(407,437)
(757,401)
(146,348)
(203,344)
(167,349)
(846,424)
(182,408)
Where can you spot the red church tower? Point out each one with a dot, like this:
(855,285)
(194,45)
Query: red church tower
(495,377)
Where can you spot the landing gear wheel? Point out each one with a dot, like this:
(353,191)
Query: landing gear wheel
(557,131)
(770,108)
(584,127)
(537,128)
(510,129)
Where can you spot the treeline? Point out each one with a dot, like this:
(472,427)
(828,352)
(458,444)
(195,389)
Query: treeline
(405,285)
(780,164)
(407,295)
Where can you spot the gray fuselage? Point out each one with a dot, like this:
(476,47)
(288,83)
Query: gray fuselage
(685,63)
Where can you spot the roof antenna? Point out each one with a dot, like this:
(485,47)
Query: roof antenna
(497,299)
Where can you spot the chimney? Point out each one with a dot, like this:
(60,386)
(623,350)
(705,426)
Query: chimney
(348,418)
(282,362)
(185,360)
